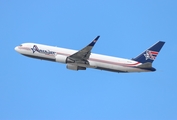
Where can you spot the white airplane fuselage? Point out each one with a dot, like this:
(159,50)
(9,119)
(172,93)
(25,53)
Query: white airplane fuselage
(97,61)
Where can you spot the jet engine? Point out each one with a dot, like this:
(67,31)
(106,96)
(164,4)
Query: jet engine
(63,59)
(60,58)
(75,67)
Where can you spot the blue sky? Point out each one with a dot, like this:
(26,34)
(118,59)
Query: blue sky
(32,89)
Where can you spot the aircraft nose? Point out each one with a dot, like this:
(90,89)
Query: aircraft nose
(16,48)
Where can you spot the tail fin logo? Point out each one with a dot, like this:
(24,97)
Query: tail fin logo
(151,55)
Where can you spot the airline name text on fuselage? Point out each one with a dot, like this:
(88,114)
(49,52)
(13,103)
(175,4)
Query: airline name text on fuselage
(47,52)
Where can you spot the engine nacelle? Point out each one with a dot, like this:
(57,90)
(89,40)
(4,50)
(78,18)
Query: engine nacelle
(63,59)
(60,58)
(74,67)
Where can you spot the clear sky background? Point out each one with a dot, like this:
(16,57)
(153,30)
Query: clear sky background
(32,89)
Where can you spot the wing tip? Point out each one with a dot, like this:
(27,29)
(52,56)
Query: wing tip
(94,41)
(97,37)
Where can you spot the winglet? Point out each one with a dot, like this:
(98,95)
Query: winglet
(94,41)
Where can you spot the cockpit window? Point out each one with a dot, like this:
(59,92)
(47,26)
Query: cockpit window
(20,45)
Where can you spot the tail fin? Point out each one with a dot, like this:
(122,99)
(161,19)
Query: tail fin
(150,54)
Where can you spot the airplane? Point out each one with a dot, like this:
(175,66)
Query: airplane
(83,59)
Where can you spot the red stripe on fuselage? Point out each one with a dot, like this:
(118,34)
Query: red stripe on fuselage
(93,59)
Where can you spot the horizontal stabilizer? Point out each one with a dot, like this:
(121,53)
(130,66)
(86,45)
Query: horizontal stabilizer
(145,65)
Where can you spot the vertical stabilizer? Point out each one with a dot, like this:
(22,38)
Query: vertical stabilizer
(150,54)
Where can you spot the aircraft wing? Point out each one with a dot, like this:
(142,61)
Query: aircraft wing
(84,54)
